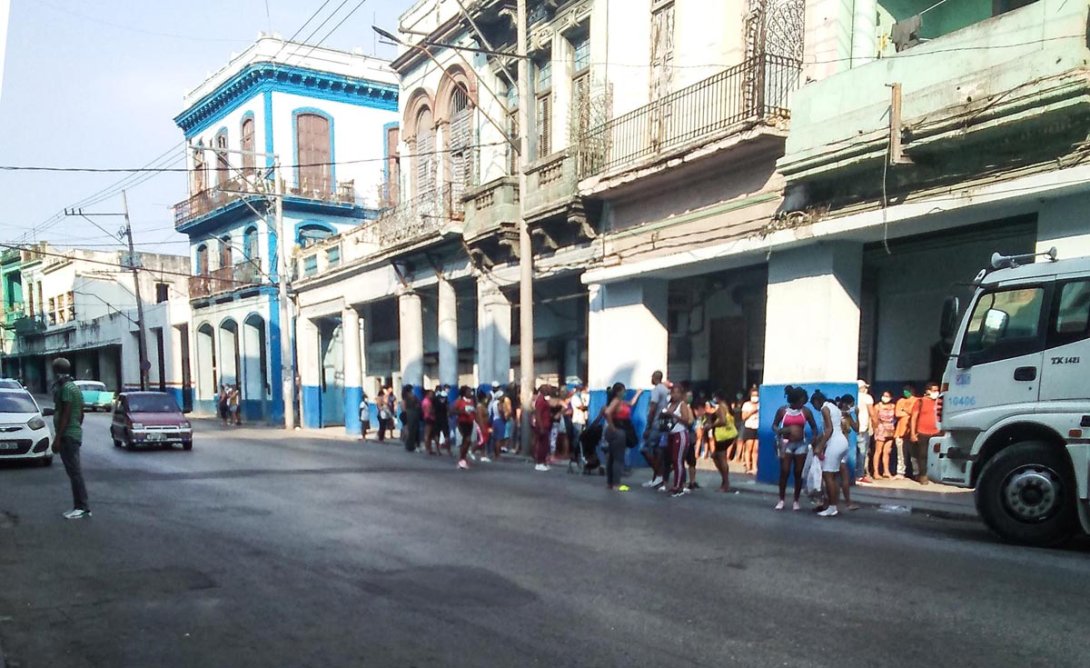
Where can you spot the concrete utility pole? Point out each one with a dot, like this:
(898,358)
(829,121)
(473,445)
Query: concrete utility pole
(141,331)
(526,248)
(287,368)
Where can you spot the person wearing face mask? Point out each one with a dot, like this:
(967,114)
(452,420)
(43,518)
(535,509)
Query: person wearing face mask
(750,422)
(908,410)
(927,427)
(885,423)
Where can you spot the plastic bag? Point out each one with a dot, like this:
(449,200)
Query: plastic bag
(811,472)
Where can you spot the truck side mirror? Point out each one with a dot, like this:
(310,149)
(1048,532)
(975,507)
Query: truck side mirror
(949,325)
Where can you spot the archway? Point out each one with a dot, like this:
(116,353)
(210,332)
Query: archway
(229,352)
(206,364)
(255,366)
(332,360)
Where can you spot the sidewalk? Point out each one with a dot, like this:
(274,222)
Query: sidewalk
(893,496)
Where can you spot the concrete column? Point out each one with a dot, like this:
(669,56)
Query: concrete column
(628,333)
(448,333)
(353,369)
(864,31)
(310,370)
(812,315)
(411,317)
(494,334)
(1061,223)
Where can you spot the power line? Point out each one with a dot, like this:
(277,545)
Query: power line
(332,30)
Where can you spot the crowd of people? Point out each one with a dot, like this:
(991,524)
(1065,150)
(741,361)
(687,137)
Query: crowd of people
(680,427)
(228,403)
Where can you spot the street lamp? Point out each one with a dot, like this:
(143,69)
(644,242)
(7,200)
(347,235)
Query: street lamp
(526,266)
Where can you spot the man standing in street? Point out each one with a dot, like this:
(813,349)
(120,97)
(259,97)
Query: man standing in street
(653,450)
(864,408)
(543,427)
(907,412)
(68,434)
(927,427)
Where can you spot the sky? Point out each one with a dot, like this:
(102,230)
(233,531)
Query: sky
(96,83)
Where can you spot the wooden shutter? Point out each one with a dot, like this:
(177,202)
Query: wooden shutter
(461,140)
(424,160)
(248,146)
(223,167)
(314,154)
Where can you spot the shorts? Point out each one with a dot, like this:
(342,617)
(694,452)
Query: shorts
(749,434)
(836,453)
(721,446)
(499,427)
(465,429)
(794,447)
(690,454)
(654,440)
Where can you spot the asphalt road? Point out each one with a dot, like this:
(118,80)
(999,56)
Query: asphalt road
(263,549)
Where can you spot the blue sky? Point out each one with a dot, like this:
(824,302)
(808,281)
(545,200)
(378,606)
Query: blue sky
(96,84)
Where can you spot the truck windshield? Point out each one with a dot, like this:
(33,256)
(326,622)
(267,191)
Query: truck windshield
(1004,323)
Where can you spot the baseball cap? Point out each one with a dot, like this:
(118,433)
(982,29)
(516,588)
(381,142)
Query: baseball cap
(863,385)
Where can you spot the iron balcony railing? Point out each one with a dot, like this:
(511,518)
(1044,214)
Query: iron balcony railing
(218,196)
(418,218)
(225,279)
(757,89)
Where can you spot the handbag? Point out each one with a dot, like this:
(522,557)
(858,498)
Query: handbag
(727,432)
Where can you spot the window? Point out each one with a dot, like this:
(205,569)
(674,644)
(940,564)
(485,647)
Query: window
(425,153)
(543,89)
(1072,320)
(248,155)
(392,194)
(460,145)
(162,292)
(199,176)
(314,153)
(70,309)
(249,244)
(512,129)
(310,265)
(225,252)
(30,298)
(223,166)
(333,256)
(1004,324)
(310,234)
(580,97)
(52,310)
(662,48)
(202,260)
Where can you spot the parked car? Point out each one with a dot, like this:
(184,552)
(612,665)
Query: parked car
(10,384)
(147,419)
(95,395)
(24,433)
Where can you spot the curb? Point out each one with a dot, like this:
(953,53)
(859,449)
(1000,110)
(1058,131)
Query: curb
(888,508)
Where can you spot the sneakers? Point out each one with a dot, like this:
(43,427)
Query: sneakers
(679,493)
(865,480)
(796,506)
(899,476)
(623,488)
(463,465)
(541,467)
(486,460)
(663,488)
(77,514)
(779,505)
(831,511)
(653,482)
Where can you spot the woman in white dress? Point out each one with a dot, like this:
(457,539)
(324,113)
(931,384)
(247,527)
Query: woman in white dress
(831,447)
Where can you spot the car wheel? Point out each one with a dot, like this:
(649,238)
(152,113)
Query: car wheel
(117,443)
(47,461)
(187,445)
(1026,494)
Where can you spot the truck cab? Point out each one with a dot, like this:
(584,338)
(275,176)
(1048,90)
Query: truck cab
(1015,401)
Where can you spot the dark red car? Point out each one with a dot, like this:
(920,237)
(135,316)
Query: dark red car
(149,419)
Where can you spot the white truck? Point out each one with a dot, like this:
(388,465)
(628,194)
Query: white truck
(1015,401)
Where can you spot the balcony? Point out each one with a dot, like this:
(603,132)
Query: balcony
(758,90)
(29,326)
(418,219)
(225,279)
(490,207)
(551,184)
(1011,89)
(234,190)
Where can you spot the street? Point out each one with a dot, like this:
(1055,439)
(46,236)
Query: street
(261,548)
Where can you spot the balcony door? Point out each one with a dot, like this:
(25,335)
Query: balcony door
(314,154)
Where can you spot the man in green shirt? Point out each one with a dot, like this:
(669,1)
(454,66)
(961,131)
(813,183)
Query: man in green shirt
(68,434)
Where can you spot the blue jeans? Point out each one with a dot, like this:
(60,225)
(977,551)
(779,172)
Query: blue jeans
(862,444)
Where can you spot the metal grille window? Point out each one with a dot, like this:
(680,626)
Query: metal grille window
(425,153)
(543,88)
(314,153)
(512,129)
(461,141)
(248,157)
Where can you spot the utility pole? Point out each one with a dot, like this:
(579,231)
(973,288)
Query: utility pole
(282,247)
(526,247)
(141,332)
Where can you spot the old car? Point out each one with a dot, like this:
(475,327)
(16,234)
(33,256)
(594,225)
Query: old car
(145,419)
(95,395)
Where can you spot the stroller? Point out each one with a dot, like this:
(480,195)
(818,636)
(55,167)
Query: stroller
(588,448)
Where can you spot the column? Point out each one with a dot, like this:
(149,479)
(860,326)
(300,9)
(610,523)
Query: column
(310,369)
(864,31)
(411,319)
(812,314)
(448,333)
(1061,223)
(353,369)
(628,333)
(493,333)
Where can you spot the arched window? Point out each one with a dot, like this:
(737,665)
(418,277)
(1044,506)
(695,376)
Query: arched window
(461,141)
(248,155)
(249,244)
(199,176)
(314,153)
(202,260)
(312,233)
(225,252)
(425,153)
(223,167)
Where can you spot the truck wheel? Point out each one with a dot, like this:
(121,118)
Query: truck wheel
(1026,495)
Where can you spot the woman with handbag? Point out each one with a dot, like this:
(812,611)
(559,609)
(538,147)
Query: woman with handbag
(724,432)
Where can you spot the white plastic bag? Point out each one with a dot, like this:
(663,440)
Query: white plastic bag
(811,473)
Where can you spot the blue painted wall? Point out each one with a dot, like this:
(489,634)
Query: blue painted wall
(768,465)
(312,407)
(352,398)
(633,458)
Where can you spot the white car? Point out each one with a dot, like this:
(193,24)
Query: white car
(24,434)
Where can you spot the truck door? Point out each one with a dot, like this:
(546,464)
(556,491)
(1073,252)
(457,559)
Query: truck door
(1066,363)
(1000,359)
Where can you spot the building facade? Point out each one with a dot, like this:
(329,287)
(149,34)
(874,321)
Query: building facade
(318,119)
(81,305)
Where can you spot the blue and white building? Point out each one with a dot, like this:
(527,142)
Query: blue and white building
(324,118)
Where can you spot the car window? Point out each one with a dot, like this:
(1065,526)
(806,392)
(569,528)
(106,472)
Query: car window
(16,402)
(10,384)
(1071,319)
(92,387)
(1005,323)
(152,403)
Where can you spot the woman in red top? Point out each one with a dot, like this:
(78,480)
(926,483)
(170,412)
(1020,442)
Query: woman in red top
(927,427)
(465,410)
(618,416)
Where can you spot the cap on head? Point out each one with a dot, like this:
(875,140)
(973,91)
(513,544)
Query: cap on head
(62,366)
(862,384)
